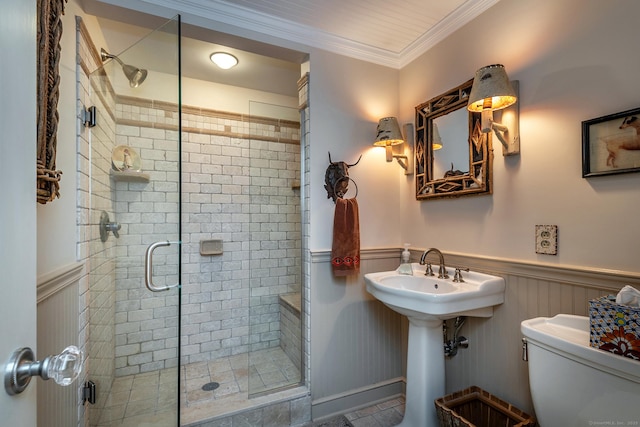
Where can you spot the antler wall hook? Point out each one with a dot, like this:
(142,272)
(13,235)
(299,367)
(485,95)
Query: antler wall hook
(336,178)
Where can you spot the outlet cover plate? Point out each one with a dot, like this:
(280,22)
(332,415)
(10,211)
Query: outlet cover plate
(547,239)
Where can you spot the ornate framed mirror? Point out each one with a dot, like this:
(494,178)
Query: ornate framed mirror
(453,157)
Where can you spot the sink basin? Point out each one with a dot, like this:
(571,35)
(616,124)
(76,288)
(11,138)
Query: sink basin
(425,297)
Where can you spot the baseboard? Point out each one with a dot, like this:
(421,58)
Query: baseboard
(352,400)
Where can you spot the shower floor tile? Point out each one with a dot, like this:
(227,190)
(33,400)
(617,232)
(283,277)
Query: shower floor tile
(150,399)
(264,370)
(267,369)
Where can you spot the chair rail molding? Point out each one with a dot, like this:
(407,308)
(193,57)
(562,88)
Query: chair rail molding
(53,282)
(599,278)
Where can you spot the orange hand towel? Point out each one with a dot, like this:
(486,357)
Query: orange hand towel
(345,252)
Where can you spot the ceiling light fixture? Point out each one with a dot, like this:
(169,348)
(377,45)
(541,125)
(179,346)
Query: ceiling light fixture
(224,60)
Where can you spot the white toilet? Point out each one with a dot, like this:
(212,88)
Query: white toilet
(573,384)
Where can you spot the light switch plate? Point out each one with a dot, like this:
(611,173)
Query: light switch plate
(547,239)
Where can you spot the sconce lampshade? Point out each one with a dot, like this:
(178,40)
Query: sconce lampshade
(436,141)
(491,89)
(388,133)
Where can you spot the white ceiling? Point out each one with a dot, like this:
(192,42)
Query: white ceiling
(389,33)
(381,24)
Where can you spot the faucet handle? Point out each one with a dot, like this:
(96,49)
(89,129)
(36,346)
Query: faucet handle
(429,270)
(457,276)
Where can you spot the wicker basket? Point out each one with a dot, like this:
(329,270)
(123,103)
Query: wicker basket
(474,407)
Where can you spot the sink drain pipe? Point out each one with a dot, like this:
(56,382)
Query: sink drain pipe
(451,345)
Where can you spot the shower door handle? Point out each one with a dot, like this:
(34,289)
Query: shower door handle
(148,267)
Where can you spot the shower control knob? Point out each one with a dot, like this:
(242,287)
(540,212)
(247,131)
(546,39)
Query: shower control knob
(107,226)
(113,227)
(63,368)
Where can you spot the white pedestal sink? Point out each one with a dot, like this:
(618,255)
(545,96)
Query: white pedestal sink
(427,301)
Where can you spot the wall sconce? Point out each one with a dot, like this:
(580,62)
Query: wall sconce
(390,137)
(492,91)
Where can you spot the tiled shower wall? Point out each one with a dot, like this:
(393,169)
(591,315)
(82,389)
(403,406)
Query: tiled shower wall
(240,187)
(305,141)
(94,163)
(146,331)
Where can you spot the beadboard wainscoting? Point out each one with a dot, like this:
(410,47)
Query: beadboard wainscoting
(58,326)
(357,342)
(358,346)
(493,360)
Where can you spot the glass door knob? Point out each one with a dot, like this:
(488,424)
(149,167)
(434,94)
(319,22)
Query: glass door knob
(63,368)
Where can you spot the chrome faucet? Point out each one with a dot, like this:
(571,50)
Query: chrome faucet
(442,273)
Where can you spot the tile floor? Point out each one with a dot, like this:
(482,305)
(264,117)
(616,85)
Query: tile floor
(384,414)
(149,399)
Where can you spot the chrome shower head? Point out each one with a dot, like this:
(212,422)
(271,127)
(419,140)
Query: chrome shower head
(135,75)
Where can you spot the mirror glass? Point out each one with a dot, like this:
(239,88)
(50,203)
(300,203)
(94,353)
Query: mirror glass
(450,150)
(453,157)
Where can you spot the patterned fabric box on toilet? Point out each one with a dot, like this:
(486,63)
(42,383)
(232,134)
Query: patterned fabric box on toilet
(614,327)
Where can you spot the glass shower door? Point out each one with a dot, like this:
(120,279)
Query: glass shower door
(134,291)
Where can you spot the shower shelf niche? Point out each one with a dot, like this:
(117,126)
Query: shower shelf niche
(131,176)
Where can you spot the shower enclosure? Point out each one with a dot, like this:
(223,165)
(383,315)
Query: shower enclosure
(195,253)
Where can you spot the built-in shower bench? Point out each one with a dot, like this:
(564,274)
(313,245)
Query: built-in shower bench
(290,326)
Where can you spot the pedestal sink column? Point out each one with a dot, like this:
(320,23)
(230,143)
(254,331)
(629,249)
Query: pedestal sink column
(425,372)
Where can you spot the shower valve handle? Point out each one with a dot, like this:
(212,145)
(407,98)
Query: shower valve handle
(113,227)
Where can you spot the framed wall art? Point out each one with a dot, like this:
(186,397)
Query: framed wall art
(611,144)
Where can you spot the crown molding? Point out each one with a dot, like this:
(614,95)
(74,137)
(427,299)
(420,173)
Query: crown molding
(465,13)
(251,20)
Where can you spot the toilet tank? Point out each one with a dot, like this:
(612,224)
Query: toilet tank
(573,384)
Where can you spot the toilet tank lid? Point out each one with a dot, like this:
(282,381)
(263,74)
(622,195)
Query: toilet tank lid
(568,336)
